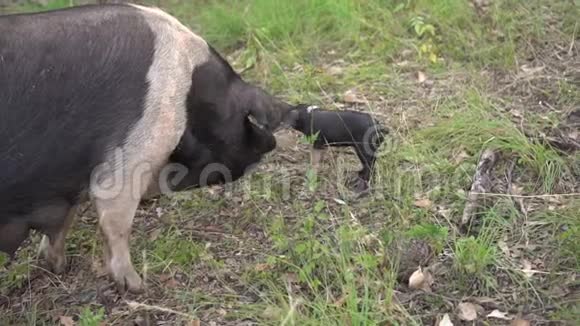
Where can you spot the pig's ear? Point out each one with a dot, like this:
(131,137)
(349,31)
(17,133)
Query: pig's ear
(261,138)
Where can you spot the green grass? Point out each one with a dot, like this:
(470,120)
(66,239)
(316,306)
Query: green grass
(174,248)
(373,27)
(341,280)
(32,6)
(90,318)
(276,37)
(474,123)
(566,229)
(433,234)
(291,24)
(473,256)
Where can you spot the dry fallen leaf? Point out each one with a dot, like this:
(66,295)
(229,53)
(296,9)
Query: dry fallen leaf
(516,190)
(429,280)
(423,203)
(554,199)
(417,279)
(291,277)
(421,280)
(340,302)
(484,300)
(503,246)
(460,157)
(66,321)
(155,234)
(468,311)
(559,291)
(172,283)
(216,191)
(531,70)
(444,211)
(195,323)
(98,268)
(165,277)
(445,321)
(407,53)
(335,70)
(481,5)
(499,315)
(339,201)
(520,322)
(421,77)
(272,313)
(516,113)
(351,96)
(168,280)
(263,267)
(527,270)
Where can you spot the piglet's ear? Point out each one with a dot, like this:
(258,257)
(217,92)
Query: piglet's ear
(292,115)
(261,138)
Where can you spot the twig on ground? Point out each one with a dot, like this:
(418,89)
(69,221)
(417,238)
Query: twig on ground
(87,207)
(573,41)
(294,303)
(518,202)
(509,177)
(563,144)
(573,194)
(136,305)
(481,183)
(288,158)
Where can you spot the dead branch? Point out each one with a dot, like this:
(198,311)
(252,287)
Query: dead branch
(142,306)
(564,144)
(561,137)
(488,194)
(481,183)
(518,202)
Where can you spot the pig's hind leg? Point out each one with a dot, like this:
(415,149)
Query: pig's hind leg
(11,236)
(52,246)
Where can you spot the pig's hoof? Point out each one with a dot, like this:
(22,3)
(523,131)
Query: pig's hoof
(127,280)
(54,258)
(359,185)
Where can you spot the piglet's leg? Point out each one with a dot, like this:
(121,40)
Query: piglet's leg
(52,246)
(367,160)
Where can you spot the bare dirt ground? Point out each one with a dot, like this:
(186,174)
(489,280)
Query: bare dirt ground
(228,229)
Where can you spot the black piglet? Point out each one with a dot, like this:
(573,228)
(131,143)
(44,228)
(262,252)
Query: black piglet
(345,128)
